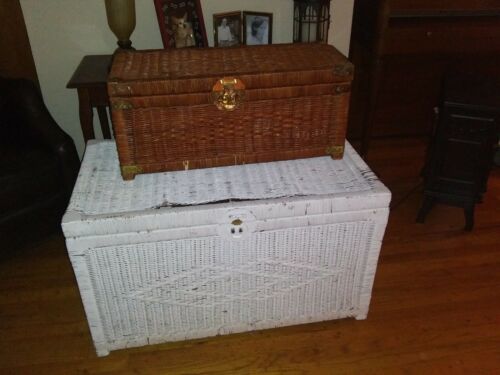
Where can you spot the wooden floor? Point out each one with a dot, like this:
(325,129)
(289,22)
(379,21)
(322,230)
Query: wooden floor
(435,306)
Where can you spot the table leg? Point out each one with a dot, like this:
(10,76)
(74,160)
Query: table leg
(103,119)
(86,115)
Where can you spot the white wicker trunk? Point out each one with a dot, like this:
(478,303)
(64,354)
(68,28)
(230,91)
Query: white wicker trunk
(190,254)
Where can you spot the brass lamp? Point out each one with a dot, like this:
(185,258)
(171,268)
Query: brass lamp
(311,20)
(121,20)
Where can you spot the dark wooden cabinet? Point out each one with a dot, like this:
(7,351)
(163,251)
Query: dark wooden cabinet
(462,147)
(402,49)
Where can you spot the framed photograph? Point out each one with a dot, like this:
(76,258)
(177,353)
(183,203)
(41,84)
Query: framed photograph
(257,28)
(227,29)
(181,23)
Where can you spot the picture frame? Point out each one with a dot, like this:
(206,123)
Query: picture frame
(181,23)
(257,28)
(227,29)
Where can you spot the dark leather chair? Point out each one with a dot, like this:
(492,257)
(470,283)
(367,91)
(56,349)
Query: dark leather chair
(38,164)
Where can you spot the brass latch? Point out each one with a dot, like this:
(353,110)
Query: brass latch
(236,222)
(228,93)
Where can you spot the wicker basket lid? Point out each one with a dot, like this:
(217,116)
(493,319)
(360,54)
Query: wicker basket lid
(174,71)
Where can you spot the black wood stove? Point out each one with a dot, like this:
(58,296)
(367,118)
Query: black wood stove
(461,151)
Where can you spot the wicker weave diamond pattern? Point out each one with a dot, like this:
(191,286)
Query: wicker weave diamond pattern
(184,288)
(219,285)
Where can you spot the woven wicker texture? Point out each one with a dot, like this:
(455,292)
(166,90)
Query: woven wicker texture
(173,138)
(183,289)
(100,190)
(152,265)
(158,72)
(164,118)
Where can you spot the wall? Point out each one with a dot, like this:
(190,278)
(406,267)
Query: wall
(340,28)
(61,32)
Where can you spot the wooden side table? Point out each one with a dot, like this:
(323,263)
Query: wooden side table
(90,80)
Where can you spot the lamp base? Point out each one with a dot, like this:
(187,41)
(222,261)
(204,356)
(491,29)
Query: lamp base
(125,44)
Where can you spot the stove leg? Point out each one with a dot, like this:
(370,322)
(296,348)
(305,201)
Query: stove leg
(427,205)
(469,216)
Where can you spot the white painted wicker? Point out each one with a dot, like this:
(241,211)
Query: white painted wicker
(190,254)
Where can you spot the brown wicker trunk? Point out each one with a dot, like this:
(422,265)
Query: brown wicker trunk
(196,108)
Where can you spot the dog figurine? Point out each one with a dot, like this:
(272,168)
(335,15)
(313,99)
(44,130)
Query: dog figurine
(183,32)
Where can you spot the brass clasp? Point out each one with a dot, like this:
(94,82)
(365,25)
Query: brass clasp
(228,93)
